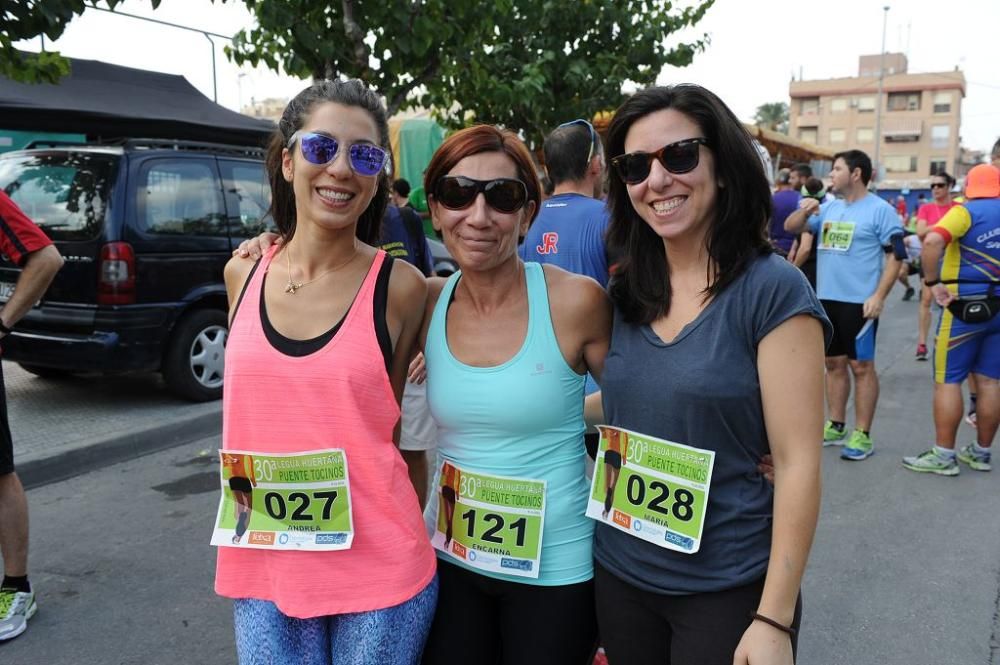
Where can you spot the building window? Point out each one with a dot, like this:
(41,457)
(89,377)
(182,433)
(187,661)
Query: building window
(938,165)
(940,135)
(838,136)
(866,104)
(807,134)
(866,135)
(904,101)
(838,105)
(810,105)
(942,102)
(901,163)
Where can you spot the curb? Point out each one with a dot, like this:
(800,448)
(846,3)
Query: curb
(99,453)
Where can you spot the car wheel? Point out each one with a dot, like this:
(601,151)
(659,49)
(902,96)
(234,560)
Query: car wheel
(193,366)
(45,372)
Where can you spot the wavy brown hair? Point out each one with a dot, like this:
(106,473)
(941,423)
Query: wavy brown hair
(352,92)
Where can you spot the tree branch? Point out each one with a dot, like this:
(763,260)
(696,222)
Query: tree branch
(357,36)
(430,71)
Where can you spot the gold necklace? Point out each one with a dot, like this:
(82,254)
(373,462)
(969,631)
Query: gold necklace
(293,286)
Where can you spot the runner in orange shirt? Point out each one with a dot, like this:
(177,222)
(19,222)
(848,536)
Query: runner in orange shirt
(239,469)
(450,478)
(614,458)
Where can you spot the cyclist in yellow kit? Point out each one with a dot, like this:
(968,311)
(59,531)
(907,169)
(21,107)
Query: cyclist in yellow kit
(968,337)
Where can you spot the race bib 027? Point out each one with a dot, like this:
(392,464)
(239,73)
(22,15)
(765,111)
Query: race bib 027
(493,523)
(652,489)
(298,501)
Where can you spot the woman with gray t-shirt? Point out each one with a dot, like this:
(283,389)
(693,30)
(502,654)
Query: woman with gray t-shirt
(713,338)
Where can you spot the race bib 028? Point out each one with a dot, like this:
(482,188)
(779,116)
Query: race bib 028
(493,523)
(298,501)
(652,489)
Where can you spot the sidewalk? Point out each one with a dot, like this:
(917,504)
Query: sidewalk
(63,427)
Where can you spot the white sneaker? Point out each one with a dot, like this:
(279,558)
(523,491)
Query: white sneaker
(16,607)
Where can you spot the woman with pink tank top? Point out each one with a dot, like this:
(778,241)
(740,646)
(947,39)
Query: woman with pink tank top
(321,333)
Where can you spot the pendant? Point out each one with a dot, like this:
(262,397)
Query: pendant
(292,287)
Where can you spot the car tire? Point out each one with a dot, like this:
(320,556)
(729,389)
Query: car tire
(193,365)
(45,372)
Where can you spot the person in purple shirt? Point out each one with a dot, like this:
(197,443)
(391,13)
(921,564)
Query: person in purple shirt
(786,201)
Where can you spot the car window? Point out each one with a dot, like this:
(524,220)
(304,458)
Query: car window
(182,198)
(65,193)
(250,198)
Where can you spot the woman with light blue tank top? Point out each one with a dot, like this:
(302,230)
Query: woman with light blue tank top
(522,419)
(507,347)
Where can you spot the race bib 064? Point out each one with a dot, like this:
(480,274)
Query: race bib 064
(298,501)
(493,523)
(836,236)
(652,489)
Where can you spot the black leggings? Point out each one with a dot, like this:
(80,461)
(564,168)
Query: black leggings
(483,620)
(644,628)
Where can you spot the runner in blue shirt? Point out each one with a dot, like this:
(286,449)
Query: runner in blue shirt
(569,231)
(859,243)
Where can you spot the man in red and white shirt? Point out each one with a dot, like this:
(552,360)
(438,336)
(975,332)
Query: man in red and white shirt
(927,216)
(27,246)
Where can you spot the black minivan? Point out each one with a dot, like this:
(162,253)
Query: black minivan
(145,227)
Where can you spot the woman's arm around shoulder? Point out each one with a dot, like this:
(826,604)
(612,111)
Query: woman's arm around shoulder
(581,315)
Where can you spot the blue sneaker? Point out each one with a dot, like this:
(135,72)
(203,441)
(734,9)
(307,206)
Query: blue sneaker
(858,447)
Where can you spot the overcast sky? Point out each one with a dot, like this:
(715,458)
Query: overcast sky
(757,45)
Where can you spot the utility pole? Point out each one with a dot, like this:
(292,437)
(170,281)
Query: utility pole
(878,99)
(208,35)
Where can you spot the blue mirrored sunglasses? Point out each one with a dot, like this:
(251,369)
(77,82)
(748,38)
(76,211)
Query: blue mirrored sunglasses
(366,159)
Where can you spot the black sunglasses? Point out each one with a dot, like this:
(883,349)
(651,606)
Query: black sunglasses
(678,158)
(938,184)
(502,194)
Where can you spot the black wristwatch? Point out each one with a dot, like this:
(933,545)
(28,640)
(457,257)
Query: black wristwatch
(931,282)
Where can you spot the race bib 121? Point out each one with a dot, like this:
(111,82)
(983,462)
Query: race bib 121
(493,523)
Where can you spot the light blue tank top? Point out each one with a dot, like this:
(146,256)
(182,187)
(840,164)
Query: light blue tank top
(524,419)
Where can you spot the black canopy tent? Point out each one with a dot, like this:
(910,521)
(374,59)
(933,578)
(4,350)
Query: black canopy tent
(105,101)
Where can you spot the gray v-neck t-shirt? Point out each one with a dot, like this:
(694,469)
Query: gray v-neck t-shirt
(702,389)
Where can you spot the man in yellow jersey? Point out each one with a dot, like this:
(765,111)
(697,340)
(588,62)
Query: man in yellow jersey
(967,286)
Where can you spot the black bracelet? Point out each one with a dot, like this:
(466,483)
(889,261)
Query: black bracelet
(931,282)
(4,329)
(768,620)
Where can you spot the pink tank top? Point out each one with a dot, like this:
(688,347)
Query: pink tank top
(336,397)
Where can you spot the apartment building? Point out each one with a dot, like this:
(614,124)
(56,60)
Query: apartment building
(920,116)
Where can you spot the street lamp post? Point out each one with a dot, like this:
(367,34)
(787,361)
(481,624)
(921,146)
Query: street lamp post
(878,99)
(208,36)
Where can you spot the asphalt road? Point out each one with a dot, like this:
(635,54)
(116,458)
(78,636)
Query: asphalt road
(905,569)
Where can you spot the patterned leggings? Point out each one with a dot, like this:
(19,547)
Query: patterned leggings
(391,636)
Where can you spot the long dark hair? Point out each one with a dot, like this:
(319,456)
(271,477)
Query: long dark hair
(352,92)
(640,286)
